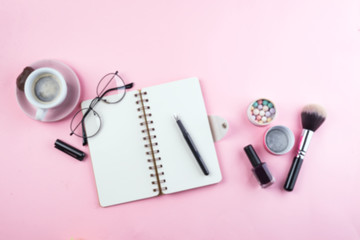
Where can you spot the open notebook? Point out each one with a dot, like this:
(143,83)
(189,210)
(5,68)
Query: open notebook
(140,152)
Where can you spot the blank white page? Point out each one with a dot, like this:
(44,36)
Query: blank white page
(118,154)
(181,170)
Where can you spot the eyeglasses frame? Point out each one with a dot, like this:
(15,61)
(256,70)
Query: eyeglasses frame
(93,104)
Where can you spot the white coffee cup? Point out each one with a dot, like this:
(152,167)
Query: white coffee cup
(45,88)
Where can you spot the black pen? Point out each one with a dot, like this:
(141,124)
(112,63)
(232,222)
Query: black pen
(192,146)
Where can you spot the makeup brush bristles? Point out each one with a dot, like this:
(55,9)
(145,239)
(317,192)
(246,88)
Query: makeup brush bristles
(312,116)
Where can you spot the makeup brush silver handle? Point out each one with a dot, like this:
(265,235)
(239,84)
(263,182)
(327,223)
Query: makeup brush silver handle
(298,160)
(304,142)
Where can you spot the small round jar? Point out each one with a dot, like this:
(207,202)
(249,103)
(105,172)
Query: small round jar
(261,112)
(279,140)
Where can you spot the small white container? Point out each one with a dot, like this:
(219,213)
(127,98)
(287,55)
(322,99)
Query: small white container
(264,109)
(279,140)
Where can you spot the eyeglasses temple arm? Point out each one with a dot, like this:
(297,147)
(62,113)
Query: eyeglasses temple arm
(84,137)
(83,128)
(127,86)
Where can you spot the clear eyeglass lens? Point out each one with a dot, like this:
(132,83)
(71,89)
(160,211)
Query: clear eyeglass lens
(92,122)
(111,81)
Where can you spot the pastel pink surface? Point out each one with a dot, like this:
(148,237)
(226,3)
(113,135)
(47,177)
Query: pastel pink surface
(292,52)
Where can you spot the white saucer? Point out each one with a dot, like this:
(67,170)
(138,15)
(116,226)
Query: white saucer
(71,100)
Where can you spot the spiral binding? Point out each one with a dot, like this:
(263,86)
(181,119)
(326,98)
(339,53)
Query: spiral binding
(154,161)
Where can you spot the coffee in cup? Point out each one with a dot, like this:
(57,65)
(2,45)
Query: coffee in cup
(45,88)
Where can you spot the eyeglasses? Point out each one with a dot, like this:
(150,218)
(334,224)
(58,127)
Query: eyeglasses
(110,83)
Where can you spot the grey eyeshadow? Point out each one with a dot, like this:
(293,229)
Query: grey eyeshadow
(277,140)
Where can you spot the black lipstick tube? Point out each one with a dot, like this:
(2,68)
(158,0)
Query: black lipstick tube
(70,150)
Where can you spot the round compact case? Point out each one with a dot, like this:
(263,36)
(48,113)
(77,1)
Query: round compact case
(261,112)
(279,140)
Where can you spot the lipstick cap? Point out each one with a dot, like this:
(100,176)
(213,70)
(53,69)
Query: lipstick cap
(70,150)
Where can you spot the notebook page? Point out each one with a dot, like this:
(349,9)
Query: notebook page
(181,170)
(118,154)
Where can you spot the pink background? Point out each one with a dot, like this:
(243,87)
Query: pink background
(292,52)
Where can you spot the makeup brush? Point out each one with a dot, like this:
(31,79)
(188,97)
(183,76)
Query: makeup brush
(312,116)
